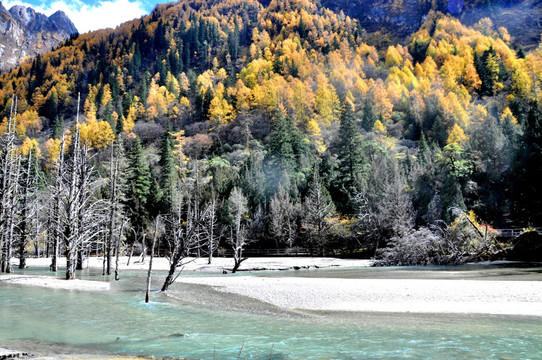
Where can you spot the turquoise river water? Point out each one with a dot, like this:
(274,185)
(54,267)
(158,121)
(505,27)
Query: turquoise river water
(119,321)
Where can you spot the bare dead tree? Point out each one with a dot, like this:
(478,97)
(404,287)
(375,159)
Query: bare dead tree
(9,174)
(56,190)
(210,222)
(116,166)
(237,209)
(29,209)
(82,214)
(117,248)
(283,213)
(157,224)
(181,239)
(40,224)
(72,199)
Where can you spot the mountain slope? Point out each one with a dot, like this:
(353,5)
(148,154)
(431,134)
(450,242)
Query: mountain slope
(26,33)
(268,91)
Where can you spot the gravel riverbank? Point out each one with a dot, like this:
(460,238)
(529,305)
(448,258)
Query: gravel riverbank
(385,295)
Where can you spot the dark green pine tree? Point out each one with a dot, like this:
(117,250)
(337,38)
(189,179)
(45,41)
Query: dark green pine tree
(369,117)
(167,173)
(139,182)
(528,171)
(451,197)
(350,157)
(287,154)
(281,147)
(350,152)
(50,107)
(57,127)
(154,201)
(119,126)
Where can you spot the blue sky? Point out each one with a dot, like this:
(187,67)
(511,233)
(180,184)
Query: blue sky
(90,15)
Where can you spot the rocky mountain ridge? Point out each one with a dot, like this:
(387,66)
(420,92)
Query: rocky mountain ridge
(401,18)
(25,33)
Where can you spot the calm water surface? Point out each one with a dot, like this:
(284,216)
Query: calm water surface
(119,321)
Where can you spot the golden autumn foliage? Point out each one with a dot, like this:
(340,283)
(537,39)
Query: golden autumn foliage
(28,123)
(393,58)
(507,116)
(457,135)
(30,146)
(379,128)
(158,99)
(327,102)
(294,54)
(220,111)
(53,148)
(96,134)
(179,141)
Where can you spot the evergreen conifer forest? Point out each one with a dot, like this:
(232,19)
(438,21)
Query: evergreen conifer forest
(211,127)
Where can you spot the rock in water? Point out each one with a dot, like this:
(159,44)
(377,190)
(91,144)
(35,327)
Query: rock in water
(11,354)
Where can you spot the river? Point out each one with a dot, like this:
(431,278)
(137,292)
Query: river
(119,321)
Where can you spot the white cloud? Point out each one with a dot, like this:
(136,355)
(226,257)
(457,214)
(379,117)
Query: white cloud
(86,17)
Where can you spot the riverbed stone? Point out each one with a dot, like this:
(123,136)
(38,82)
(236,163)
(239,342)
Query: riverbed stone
(11,354)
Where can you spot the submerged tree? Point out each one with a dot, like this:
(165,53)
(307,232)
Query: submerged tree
(117,187)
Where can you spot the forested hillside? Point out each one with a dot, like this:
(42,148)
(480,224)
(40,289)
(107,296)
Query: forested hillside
(236,125)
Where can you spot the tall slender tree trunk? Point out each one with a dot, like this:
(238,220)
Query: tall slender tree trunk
(113,211)
(117,251)
(57,231)
(149,274)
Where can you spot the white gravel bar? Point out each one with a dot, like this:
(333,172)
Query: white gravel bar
(385,295)
(55,283)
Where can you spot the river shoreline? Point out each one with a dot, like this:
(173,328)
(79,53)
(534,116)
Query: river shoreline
(302,293)
(316,292)
(219,264)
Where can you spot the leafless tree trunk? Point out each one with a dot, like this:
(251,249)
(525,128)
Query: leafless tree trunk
(149,274)
(72,203)
(27,208)
(82,215)
(56,220)
(209,226)
(143,247)
(181,239)
(9,172)
(117,251)
(114,197)
(237,208)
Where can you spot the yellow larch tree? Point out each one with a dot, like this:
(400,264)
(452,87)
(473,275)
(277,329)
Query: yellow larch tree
(379,128)
(96,134)
(327,103)
(382,104)
(393,57)
(28,123)
(30,145)
(179,140)
(457,135)
(220,111)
